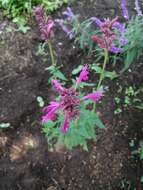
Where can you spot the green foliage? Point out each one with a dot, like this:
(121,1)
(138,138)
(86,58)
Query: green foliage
(137,150)
(20,10)
(134,48)
(83,32)
(22,24)
(55,73)
(16,8)
(131,98)
(107,74)
(52,5)
(79,132)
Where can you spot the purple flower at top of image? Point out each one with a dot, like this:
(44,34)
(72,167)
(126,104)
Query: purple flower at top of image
(68,12)
(46,24)
(61,23)
(124,9)
(137,8)
(69,102)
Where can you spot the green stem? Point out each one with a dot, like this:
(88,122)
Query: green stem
(102,75)
(94,107)
(76,122)
(51,53)
(103,68)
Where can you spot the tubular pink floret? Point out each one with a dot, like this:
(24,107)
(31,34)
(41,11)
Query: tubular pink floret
(65,126)
(95,96)
(83,75)
(57,85)
(50,109)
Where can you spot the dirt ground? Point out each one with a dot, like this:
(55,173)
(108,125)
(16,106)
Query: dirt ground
(25,161)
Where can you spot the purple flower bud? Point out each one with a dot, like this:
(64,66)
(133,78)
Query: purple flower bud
(124,9)
(119,26)
(115,49)
(123,41)
(64,28)
(69,13)
(97,21)
(137,8)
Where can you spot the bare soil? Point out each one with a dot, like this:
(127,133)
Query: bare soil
(25,161)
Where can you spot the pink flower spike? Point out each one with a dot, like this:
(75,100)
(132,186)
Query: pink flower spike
(65,126)
(57,85)
(51,109)
(83,75)
(95,96)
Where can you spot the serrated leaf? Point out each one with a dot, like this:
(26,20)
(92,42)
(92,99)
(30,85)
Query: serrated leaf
(99,123)
(77,70)
(59,75)
(49,124)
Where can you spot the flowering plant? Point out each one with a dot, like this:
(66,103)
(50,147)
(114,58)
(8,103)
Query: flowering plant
(68,118)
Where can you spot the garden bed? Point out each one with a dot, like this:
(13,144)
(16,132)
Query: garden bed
(26,163)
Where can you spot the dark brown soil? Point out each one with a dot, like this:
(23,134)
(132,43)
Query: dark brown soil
(25,161)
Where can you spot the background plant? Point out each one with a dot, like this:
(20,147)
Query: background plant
(20,10)
(134,48)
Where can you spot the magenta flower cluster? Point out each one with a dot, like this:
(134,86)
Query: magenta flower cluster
(45,23)
(70,101)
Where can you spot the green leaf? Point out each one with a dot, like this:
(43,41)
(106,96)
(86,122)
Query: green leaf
(108,74)
(49,124)
(59,75)
(77,70)
(83,132)
(84,84)
(99,123)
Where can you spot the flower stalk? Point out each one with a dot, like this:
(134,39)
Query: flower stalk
(51,53)
(103,68)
